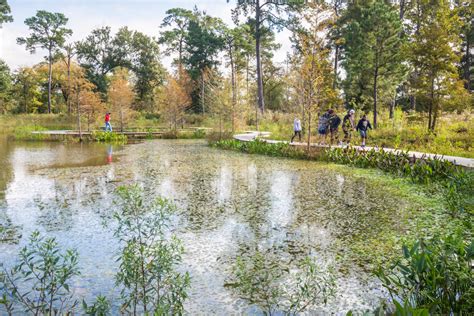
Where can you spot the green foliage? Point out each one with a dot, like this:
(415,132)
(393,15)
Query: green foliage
(266,282)
(109,137)
(148,256)
(435,275)
(425,170)
(26,133)
(373,55)
(5,12)
(39,283)
(260,147)
(101,52)
(101,307)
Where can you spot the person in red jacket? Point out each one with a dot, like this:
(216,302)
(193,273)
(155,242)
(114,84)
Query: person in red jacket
(108,127)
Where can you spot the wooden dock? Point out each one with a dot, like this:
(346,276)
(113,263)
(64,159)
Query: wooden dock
(459,161)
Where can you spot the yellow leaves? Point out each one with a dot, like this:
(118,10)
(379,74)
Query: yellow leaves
(174,99)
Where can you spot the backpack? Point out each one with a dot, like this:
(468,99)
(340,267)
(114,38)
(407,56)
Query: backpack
(334,122)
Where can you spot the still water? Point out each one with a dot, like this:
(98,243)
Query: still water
(228,202)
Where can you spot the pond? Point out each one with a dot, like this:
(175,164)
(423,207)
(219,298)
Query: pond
(228,203)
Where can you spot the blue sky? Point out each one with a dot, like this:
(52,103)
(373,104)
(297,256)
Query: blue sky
(86,15)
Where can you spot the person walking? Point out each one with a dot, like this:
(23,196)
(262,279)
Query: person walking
(363,127)
(296,129)
(348,125)
(334,122)
(108,127)
(323,126)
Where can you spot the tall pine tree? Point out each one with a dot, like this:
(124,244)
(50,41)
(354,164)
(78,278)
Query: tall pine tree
(372,52)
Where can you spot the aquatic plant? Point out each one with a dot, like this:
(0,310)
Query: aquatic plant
(434,274)
(39,283)
(424,170)
(148,256)
(264,281)
(261,147)
(101,307)
(108,137)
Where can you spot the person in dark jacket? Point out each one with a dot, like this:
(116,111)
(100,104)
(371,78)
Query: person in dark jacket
(334,122)
(363,127)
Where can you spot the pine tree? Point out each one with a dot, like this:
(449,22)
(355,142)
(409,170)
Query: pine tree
(435,53)
(372,51)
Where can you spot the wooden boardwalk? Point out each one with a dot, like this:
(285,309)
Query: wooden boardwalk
(252,135)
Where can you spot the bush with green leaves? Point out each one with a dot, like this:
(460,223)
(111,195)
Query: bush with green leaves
(109,137)
(149,255)
(101,307)
(39,283)
(436,275)
(275,288)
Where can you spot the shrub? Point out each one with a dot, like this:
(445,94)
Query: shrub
(266,282)
(147,275)
(39,283)
(435,275)
(109,137)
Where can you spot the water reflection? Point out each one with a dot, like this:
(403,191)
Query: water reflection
(229,204)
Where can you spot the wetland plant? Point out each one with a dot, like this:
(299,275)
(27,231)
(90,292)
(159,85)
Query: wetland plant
(436,275)
(149,254)
(276,289)
(39,283)
(109,137)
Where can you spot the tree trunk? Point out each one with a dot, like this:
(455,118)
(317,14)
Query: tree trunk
(430,110)
(309,130)
(79,116)
(375,96)
(336,61)
(261,102)
(234,88)
(467,64)
(202,93)
(121,119)
(50,78)
(69,85)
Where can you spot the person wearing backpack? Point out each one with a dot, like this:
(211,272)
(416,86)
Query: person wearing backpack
(323,126)
(363,127)
(334,122)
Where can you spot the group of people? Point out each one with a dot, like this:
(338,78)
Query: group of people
(329,123)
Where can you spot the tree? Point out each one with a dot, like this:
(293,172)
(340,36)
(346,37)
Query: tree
(372,49)
(48,32)
(99,54)
(68,53)
(5,11)
(315,82)
(27,89)
(5,85)
(203,45)
(434,52)
(178,20)
(80,88)
(466,13)
(120,95)
(144,63)
(174,100)
(92,106)
(265,12)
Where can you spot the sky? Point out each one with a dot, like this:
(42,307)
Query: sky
(85,15)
